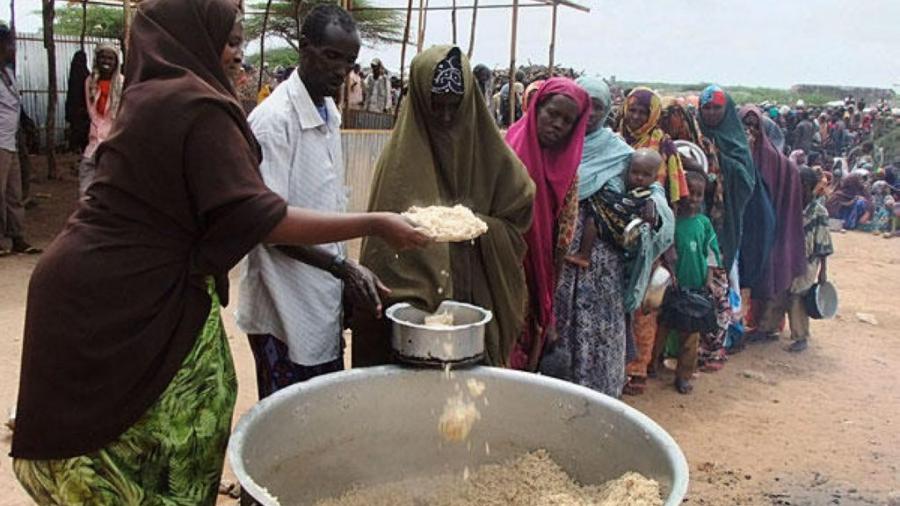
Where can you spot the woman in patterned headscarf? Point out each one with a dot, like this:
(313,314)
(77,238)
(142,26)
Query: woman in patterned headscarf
(640,127)
(681,125)
(447,150)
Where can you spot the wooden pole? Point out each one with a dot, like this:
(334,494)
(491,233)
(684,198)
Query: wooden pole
(421,36)
(512,63)
(345,100)
(472,31)
(48,14)
(453,21)
(262,46)
(83,22)
(552,40)
(403,45)
(425,22)
(12,16)
(126,5)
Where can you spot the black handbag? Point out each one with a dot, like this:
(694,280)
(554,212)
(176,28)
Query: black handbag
(689,310)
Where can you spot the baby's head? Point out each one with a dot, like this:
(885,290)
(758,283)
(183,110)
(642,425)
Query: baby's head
(643,169)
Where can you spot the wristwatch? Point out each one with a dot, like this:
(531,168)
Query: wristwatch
(337,266)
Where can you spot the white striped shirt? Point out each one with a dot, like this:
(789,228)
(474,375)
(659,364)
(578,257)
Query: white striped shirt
(302,162)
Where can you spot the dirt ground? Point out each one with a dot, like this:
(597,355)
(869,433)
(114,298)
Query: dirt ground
(770,429)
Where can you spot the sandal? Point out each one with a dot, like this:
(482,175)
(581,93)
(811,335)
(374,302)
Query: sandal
(712,366)
(798,346)
(22,247)
(635,386)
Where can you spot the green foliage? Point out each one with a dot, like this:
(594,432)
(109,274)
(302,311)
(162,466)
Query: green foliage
(284,56)
(106,22)
(286,17)
(741,94)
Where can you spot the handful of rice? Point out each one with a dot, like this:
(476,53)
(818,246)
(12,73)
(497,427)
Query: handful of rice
(447,224)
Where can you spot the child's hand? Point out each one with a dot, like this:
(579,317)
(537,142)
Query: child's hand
(648,213)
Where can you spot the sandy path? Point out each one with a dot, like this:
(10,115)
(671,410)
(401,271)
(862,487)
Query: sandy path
(771,428)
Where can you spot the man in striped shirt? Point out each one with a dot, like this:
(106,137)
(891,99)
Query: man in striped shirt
(291,299)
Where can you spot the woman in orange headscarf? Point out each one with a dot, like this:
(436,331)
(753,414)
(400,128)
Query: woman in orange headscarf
(640,128)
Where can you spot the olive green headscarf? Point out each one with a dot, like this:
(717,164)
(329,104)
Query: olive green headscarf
(470,164)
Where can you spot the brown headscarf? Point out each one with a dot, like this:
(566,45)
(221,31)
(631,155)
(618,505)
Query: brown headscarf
(117,301)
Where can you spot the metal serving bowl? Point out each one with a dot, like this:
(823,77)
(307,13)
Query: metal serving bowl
(376,425)
(688,148)
(461,343)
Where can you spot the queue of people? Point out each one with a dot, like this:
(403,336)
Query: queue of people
(585,205)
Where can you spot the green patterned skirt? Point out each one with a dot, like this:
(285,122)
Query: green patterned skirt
(173,455)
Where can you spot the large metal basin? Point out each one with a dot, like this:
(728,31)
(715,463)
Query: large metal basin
(375,425)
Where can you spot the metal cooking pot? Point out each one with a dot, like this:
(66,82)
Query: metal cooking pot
(369,426)
(821,301)
(462,343)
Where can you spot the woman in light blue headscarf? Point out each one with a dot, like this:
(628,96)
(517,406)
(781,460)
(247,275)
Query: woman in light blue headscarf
(592,301)
(606,155)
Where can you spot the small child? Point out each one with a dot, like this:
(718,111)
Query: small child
(883,202)
(697,248)
(613,211)
(818,248)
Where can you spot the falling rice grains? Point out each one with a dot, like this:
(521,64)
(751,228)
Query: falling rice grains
(457,419)
(476,388)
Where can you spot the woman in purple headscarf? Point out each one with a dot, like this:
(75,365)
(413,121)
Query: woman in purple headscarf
(787,258)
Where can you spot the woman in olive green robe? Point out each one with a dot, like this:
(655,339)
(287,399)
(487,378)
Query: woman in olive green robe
(446,150)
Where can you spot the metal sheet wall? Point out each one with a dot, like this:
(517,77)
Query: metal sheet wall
(365,120)
(32,76)
(361,151)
